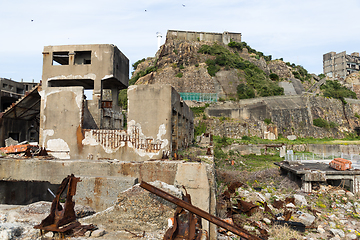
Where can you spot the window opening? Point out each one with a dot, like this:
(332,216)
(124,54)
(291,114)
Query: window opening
(20,90)
(82,57)
(60,58)
(15,136)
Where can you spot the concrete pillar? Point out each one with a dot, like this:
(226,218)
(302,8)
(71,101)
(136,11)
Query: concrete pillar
(355,185)
(306,186)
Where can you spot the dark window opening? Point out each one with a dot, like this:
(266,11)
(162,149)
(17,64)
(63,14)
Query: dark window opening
(82,57)
(5,85)
(60,58)
(15,136)
(20,90)
(26,192)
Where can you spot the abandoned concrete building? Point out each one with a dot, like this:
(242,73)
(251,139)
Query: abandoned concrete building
(10,91)
(340,65)
(22,126)
(224,37)
(88,136)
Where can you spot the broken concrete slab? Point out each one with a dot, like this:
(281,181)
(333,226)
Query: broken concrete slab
(137,210)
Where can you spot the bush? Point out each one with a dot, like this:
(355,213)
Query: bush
(135,65)
(140,74)
(319,122)
(267,121)
(274,77)
(334,89)
(258,83)
(200,129)
(179,75)
(246,138)
(181,66)
(123,100)
(197,110)
(244,91)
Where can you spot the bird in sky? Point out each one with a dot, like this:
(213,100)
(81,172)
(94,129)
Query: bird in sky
(183,5)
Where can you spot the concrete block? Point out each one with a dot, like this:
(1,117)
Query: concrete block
(101,192)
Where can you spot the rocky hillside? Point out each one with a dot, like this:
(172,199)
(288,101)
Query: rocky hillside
(205,67)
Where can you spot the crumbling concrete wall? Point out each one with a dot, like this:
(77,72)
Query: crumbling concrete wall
(61,120)
(102,181)
(158,123)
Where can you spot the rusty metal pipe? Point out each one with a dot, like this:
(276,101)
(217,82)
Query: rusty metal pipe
(197,211)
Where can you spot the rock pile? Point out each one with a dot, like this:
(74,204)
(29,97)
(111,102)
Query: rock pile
(327,213)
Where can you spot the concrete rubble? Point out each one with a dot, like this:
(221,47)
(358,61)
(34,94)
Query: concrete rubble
(136,212)
(327,213)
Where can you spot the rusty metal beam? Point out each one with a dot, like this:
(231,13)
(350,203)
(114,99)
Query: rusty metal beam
(197,211)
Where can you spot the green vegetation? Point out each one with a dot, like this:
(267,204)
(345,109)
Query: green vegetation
(242,45)
(258,83)
(250,162)
(274,77)
(319,122)
(307,140)
(267,121)
(334,89)
(135,65)
(357,115)
(179,75)
(140,74)
(123,99)
(301,73)
(199,129)
(321,75)
(181,66)
(244,91)
(198,111)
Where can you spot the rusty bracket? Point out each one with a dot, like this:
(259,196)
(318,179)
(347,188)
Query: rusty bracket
(197,211)
(62,219)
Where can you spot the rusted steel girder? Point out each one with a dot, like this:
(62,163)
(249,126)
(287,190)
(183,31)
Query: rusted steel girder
(197,211)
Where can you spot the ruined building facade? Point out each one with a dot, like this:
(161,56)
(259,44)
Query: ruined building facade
(340,65)
(73,127)
(225,37)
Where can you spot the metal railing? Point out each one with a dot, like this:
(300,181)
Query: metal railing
(200,97)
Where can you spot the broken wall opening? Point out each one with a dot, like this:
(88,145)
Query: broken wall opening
(60,58)
(82,57)
(26,192)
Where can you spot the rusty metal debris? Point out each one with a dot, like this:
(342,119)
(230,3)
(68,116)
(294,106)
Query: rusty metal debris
(247,207)
(62,218)
(136,235)
(198,212)
(191,229)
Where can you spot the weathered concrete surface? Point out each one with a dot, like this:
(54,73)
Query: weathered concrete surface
(103,180)
(137,210)
(158,122)
(292,115)
(326,149)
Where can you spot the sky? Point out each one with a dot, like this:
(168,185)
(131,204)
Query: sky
(300,32)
